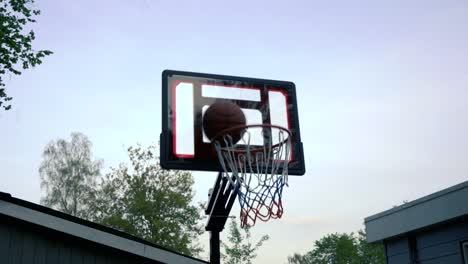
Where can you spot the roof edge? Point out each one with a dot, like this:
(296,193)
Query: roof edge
(418,201)
(6,197)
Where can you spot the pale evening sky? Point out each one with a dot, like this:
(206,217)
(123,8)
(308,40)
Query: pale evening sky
(382,95)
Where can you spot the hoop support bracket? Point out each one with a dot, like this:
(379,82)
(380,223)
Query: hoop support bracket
(220,202)
(221,198)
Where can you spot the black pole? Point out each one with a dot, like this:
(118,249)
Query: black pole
(215,257)
(221,199)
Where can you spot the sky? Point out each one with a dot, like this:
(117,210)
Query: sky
(382,92)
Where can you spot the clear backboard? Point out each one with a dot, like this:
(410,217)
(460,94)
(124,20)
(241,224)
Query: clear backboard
(187,97)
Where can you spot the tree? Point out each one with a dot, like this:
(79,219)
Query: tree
(341,249)
(154,204)
(69,175)
(369,253)
(297,258)
(241,249)
(335,248)
(16,45)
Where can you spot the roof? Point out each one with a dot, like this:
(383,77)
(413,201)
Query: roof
(77,227)
(436,208)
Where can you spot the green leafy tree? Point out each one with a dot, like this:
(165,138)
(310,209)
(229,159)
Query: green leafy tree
(297,258)
(335,248)
(341,249)
(69,175)
(241,250)
(16,50)
(369,253)
(144,200)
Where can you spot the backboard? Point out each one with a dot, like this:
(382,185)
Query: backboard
(186,96)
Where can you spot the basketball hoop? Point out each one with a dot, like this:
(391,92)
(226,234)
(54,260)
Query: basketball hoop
(259,171)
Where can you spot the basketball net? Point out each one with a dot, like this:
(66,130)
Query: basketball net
(258,172)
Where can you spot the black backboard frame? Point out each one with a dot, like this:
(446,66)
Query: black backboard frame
(167,159)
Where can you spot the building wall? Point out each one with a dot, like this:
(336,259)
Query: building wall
(436,245)
(398,250)
(21,242)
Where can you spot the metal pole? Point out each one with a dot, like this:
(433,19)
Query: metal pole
(215,257)
(221,199)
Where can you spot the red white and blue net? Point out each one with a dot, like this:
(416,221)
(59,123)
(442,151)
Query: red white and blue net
(258,171)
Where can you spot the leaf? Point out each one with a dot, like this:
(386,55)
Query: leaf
(341,249)
(16,49)
(70,176)
(240,249)
(151,203)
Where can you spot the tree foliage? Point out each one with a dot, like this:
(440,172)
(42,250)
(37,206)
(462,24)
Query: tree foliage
(16,50)
(144,200)
(369,253)
(341,249)
(336,248)
(241,250)
(297,258)
(69,175)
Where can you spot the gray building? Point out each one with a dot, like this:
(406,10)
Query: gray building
(30,233)
(429,230)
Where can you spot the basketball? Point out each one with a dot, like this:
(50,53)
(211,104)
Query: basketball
(223,115)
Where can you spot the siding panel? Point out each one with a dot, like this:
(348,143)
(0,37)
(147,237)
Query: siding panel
(16,247)
(101,259)
(4,242)
(64,254)
(399,259)
(23,243)
(77,255)
(52,253)
(88,257)
(453,232)
(397,246)
(451,259)
(28,247)
(40,250)
(436,245)
(439,250)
